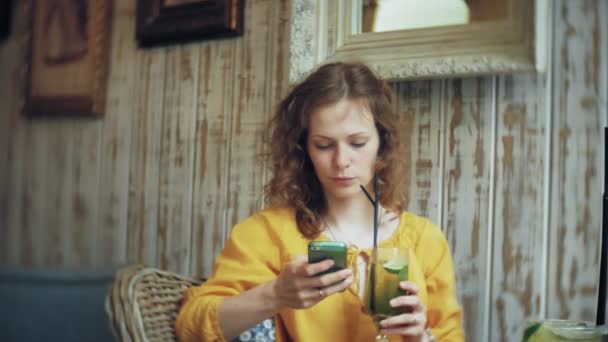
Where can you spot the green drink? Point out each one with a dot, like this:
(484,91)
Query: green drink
(387,267)
(562,330)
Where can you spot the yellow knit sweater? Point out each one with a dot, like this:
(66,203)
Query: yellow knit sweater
(263,244)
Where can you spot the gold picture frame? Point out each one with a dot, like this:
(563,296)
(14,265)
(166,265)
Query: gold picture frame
(68,64)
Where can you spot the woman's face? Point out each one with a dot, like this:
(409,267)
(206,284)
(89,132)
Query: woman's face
(343,144)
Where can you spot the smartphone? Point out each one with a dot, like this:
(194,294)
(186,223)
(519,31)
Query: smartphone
(323,250)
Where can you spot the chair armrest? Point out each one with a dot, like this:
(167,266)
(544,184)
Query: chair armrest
(143,303)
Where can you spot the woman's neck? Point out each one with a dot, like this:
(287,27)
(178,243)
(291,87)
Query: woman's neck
(352,221)
(354,215)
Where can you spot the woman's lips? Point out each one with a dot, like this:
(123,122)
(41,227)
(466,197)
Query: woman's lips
(343,180)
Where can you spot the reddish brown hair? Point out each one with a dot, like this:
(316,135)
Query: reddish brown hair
(294,182)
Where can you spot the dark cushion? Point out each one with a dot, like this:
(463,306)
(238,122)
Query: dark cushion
(53,305)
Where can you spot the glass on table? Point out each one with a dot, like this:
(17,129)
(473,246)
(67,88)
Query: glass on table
(554,330)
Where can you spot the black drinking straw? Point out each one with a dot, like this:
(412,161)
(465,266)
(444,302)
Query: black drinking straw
(374,202)
(601,297)
(372,279)
(367,194)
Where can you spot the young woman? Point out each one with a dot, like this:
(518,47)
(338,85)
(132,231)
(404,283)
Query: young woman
(330,136)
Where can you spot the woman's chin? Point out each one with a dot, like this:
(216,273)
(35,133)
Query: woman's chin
(346,193)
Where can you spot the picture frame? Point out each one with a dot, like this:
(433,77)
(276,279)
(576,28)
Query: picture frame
(69,56)
(327,31)
(6,12)
(164,22)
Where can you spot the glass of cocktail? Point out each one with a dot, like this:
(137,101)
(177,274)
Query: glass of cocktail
(386,268)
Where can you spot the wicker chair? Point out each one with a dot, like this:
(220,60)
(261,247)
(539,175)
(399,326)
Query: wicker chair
(143,302)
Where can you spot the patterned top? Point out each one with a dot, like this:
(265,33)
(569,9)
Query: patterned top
(263,332)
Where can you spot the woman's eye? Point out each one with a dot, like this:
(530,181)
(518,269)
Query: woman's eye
(323,147)
(359,144)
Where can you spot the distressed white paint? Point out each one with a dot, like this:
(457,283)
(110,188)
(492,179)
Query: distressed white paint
(114,167)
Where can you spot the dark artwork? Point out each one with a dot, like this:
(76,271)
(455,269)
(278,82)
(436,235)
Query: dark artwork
(69,57)
(169,3)
(5,18)
(65,24)
(163,22)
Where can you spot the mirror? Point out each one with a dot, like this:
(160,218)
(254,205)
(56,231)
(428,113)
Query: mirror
(415,39)
(395,15)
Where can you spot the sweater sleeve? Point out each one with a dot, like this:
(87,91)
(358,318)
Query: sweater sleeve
(250,257)
(444,314)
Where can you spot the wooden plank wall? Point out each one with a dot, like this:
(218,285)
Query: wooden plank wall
(510,166)
(579,114)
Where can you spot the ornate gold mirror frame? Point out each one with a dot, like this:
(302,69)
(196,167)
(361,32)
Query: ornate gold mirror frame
(323,31)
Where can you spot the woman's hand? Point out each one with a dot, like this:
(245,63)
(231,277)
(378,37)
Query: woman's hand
(299,287)
(410,325)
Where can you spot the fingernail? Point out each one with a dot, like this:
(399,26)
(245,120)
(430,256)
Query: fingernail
(392,302)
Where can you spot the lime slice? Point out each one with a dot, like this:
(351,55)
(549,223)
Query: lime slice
(539,333)
(404,273)
(530,331)
(394,266)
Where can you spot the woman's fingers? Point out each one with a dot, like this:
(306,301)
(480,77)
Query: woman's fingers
(340,286)
(308,277)
(309,270)
(411,323)
(411,301)
(409,287)
(329,283)
(403,320)
(318,294)
(416,330)
(329,279)
(404,325)
(307,288)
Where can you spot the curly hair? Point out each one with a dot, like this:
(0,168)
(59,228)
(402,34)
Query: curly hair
(294,182)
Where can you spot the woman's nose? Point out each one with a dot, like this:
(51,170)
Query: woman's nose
(341,158)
